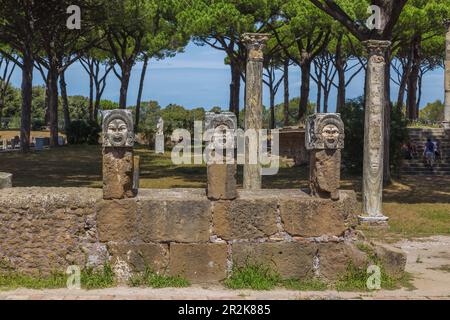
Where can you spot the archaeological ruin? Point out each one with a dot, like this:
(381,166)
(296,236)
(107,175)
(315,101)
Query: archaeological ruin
(203,234)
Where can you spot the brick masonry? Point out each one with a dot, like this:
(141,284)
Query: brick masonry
(181,232)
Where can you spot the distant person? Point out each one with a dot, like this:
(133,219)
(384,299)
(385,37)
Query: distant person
(429,152)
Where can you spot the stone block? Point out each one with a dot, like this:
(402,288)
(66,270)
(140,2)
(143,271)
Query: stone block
(245,218)
(175,220)
(5,180)
(117,220)
(199,263)
(142,255)
(392,258)
(221,182)
(335,257)
(118,173)
(289,259)
(314,217)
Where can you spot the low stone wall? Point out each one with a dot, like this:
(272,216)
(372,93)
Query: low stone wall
(178,231)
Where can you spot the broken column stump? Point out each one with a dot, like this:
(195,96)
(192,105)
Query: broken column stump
(325,139)
(118,160)
(221,165)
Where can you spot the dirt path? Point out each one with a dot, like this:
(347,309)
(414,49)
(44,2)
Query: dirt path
(428,261)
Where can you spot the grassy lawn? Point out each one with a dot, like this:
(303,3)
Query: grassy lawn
(10,134)
(417,206)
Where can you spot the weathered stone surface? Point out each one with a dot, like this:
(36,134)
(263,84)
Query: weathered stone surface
(372,189)
(5,180)
(118,173)
(221,182)
(141,255)
(447,76)
(255,44)
(200,263)
(46,229)
(313,217)
(175,220)
(289,259)
(334,258)
(245,218)
(325,173)
(393,259)
(117,220)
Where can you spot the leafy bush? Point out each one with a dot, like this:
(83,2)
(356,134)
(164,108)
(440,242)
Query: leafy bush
(37,124)
(353,117)
(82,131)
(398,136)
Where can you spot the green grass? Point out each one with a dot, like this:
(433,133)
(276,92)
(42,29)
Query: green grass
(355,279)
(11,281)
(148,278)
(259,277)
(253,276)
(98,279)
(305,285)
(90,279)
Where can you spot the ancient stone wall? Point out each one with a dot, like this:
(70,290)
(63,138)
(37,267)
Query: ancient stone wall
(177,231)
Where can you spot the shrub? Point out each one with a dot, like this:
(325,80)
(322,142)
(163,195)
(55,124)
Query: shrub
(81,131)
(37,124)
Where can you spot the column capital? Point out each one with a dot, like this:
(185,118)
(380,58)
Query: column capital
(255,44)
(376,47)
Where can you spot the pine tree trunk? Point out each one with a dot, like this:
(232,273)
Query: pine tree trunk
(141,88)
(341,91)
(413,80)
(124,83)
(286,93)
(304,90)
(53,105)
(235,88)
(27,94)
(272,109)
(65,100)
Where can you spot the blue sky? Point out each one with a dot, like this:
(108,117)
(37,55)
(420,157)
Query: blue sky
(199,78)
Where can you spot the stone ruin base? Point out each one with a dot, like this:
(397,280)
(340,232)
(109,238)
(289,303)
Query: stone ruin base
(181,232)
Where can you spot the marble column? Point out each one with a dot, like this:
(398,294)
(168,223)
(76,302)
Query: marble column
(372,190)
(255,43)
(447,76)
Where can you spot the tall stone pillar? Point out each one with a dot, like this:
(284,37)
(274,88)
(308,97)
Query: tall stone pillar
(255,43)
(372,190)
(118,161)
(447,76)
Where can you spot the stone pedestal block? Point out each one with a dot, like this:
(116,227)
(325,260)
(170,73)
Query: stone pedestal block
(221,182)
(118,173)
(5,180)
